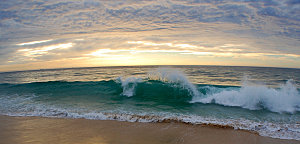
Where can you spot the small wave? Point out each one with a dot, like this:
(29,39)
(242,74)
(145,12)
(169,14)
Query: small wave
(255,97)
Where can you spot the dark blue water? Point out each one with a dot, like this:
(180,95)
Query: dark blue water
(265,100)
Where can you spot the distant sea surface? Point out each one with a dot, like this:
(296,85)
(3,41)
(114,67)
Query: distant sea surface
(260,99)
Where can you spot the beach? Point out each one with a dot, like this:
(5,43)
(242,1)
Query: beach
(21,130)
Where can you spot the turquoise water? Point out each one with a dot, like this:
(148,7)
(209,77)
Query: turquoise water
(265,100)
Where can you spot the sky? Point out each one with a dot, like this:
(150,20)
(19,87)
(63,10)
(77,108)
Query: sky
(45,34)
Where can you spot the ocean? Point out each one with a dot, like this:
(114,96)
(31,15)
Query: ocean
(259,99)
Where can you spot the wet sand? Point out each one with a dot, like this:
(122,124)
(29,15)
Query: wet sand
(37,130)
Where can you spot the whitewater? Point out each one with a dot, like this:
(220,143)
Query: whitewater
(262,100)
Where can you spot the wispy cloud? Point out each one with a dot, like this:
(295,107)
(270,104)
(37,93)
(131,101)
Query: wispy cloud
(163,44)
(39,51)
(33,42)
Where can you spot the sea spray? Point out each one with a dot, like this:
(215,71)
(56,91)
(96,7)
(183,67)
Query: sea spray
(128,85)
(173,76)
(254,97)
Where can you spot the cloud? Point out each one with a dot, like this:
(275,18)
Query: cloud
(293,2)
(163,44)
(228,28)
(33,42)
(44,50)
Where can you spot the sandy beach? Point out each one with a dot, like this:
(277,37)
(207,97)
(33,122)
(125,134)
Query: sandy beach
(19,130)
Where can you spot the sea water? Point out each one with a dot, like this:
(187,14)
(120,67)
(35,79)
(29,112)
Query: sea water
(259,99)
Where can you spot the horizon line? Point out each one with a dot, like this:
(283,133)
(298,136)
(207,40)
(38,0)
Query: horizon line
(45,69)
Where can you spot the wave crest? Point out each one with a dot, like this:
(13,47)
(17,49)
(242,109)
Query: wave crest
(167,75)
(255,97)
(128,85)
(173,76)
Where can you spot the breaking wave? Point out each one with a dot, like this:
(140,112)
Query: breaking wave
(256,97)
(250,96)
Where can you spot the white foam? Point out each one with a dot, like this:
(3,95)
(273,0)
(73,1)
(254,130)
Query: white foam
(173,76)
(128,85)
(282,131)
(254,97)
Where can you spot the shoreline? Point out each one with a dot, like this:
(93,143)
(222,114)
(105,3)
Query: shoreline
(21,130)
